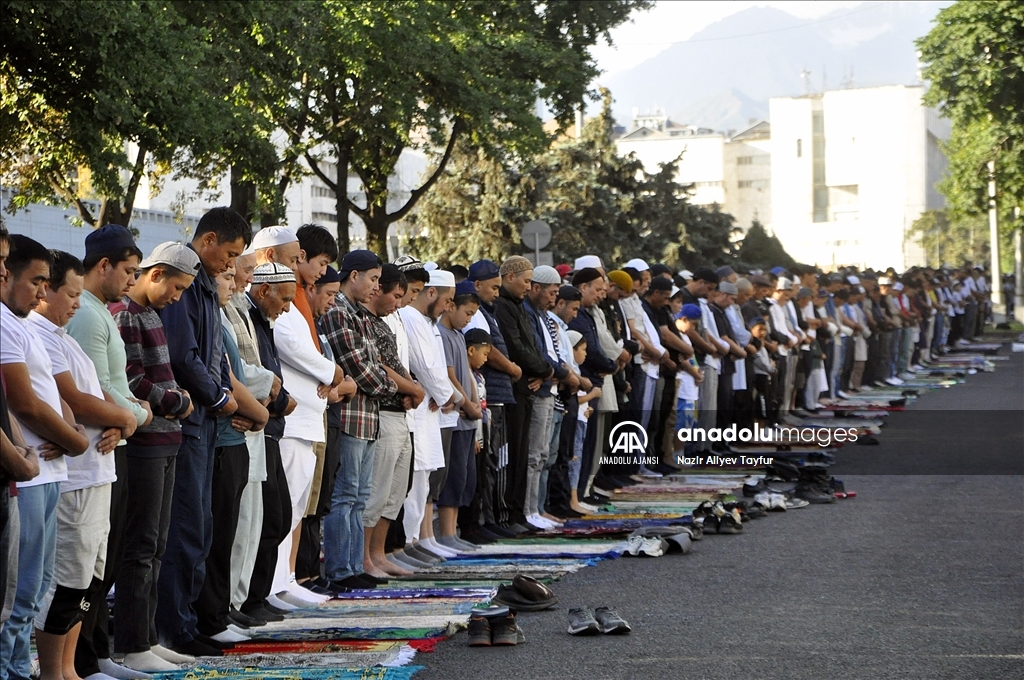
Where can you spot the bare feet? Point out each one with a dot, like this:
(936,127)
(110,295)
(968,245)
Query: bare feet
(373,570)
(392,569)
(548,515)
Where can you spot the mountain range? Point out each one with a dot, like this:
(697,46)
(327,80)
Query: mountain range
(723,76)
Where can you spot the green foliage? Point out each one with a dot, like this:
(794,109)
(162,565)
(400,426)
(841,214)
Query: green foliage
(596,202)
(974,60)
(950,240)
(95,95)
(473,212)
(758,250)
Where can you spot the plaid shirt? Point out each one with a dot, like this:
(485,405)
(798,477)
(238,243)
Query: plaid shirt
(348,331)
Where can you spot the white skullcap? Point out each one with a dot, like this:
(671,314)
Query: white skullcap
(269,237)
(440,278)
(637,264)
(587,261)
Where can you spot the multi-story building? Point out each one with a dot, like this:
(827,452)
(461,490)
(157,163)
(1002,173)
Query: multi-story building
(733,171)
(851,171)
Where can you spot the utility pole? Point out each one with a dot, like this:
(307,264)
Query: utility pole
(1018,247)
(993,235)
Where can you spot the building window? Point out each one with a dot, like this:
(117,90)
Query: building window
(325,217)
(754,183)
(322,192)
(702,185)
(745,183)
(799,148)
(745,160)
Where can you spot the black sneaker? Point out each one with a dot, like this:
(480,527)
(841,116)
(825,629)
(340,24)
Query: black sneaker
(813,495)
(499,531)
(727,524)
(610,623)
(505,630)
(479,631)
(210,642)
(510,597)
(582,622)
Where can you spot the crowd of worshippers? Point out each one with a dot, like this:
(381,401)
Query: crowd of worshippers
(224,431)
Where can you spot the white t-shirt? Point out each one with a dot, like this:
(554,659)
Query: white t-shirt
(19,345)
(687,387)
(92,468)
(397,326)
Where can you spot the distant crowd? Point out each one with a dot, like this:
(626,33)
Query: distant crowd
(227,430)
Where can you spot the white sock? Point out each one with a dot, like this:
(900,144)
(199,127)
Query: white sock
(171,655)
(114,670)
(148,662)
(438,549)
(305,593)
(100,676)
(229,636)
(275,601)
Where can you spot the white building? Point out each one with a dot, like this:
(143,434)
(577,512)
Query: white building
(734,172)
(171,212)
(851,171)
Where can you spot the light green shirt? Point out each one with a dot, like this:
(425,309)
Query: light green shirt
(94,329)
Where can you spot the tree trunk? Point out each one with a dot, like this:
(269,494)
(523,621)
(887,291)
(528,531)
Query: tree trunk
(243,195)
(377,230)
(110,213)
(341,202)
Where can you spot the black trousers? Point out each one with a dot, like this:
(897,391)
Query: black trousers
(558,477)
(94,638)
(778,388)
(517,430)
(230,475)
(277,521)
(307,561)
(481,510)
(150,483)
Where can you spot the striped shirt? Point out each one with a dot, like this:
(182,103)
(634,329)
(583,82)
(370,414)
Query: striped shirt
(150,377)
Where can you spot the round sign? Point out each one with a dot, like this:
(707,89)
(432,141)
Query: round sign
(536,234)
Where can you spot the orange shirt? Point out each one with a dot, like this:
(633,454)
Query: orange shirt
(302,303)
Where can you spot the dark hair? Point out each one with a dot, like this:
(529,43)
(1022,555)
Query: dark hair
(461,273)
(23,252)
(706,275)
(421,275)
(388,286)
(4,234)
(227,224)
(60,264)
(842,294)
(317,241)
(116,257)
(633,273)
(465,299)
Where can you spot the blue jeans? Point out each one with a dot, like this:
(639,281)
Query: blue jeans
(189,538)
(556,431)
(37,506)
(577,453)
(343,525)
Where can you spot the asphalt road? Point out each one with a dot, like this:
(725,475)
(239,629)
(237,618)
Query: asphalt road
(920,576)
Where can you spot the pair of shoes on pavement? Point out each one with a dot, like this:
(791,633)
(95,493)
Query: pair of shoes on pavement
(716,519)
(646,546)
(584,621)
(495,626)
(526,594)
(677,538)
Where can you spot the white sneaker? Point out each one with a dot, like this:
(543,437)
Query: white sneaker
(148,662)
(171,655)
(905,376)
(842,395)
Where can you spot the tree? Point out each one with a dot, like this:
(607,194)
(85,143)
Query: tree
(421,74)
(759,250)
(89,106)
(474,211)
(974,60)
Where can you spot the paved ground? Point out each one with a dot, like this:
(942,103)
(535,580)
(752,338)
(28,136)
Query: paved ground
(920,576)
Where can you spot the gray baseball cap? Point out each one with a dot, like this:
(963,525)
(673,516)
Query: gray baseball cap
(176,255)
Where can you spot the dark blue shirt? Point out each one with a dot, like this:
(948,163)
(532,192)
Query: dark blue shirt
(595,362)
(499,384)
(197,352)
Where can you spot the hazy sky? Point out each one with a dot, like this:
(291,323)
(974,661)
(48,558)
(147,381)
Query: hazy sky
(652,31)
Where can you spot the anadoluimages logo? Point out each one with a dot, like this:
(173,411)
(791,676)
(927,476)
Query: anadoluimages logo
(628,437)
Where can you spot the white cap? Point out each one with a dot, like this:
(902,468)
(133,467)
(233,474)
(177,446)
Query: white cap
(268,237)
(675,291)
(852,280)
(587,261)
(272,272)
(686,274)
(782,284)
(440,278)
(545,275)
(897,286)
(430,266)
(637,264)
